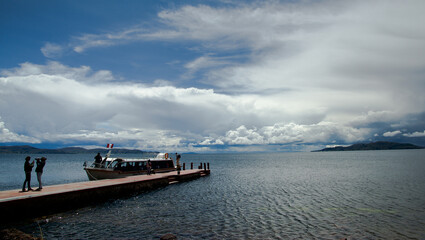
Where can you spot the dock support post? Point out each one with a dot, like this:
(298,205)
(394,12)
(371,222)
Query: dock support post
(184,166)
(191,165)
(205,166)
(208,166)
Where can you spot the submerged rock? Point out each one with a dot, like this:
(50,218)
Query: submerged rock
(169,236)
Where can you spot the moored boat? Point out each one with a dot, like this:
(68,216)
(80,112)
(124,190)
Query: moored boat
(110,168)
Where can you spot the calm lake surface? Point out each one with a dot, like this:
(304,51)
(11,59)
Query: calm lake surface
(326,195)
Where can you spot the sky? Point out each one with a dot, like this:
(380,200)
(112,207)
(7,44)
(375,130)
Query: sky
(211,76)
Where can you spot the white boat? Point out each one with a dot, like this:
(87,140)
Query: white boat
(124,167)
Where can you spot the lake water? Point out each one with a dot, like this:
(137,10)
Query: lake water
(325,195)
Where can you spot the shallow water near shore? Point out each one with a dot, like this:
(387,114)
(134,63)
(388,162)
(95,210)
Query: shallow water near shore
(325,195)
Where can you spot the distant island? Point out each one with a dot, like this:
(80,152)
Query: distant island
(68,150)
(372,146)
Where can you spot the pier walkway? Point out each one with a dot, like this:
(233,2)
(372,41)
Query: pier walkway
(16,205)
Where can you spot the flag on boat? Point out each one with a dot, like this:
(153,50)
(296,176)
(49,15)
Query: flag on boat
(109,145)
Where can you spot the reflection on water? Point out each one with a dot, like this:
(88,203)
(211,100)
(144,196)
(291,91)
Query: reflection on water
(359,195)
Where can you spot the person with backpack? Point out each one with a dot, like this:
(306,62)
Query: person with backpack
(28,169)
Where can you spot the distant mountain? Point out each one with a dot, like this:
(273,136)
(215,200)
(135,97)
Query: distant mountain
(372,146)
(68,150)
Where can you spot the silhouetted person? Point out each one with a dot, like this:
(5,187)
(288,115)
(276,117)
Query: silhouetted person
(178,163)
(39,170)
(98,159)
(149,167)
(28,169)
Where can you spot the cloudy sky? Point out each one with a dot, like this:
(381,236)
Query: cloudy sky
(206,76)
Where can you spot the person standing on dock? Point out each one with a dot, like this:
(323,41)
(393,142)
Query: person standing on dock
(28,169)
(178,163)
(39,170)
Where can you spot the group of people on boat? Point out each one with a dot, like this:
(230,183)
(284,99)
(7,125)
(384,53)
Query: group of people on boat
(41,162)
(136,166)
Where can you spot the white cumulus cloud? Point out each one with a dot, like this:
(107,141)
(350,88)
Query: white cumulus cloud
(322,132)
(415,134)
(7,136)
(55,102)
(392,134)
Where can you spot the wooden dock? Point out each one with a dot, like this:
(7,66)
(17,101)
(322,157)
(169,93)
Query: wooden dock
(16,205)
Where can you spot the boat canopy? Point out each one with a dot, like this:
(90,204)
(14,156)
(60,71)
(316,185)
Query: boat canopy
(159,157)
